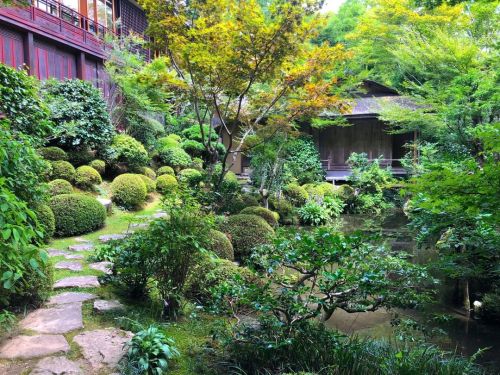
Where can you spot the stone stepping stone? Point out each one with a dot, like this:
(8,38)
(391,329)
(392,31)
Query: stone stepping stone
(56,366)
(139,225)
(103,347)
(160,215)
(58,319)
(102,305)
(81,247)
(67,265)
(56,252)
(102,266)
(74,256)
(106,203)
(78,282)
(111,237)
(26,347)
(70,297)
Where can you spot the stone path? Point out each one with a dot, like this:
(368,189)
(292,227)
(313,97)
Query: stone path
(41,344)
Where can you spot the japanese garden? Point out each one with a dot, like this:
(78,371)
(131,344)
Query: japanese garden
(250,187)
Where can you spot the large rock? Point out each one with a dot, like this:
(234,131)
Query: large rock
(81,247)
(25,347)
(70,297)
(111,237)
(56,366)
(103,347)
(102,305)
(102,266)
(58,319)
(106,203)
(68,265)
(78,282)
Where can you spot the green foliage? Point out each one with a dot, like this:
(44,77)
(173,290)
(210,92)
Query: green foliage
(79,113)
(125,149)
(220,245)
(313,213)
(98,165)
(285,210)
(246,232)
(76,214)
(490,310)
(170,141)
(150,184)
(128,190)
(268,215)
(303,162)
(296,194)
(176,158)
(63,170)
(320,190)
(20,102)
(334,206)
(190,176)
(47,221)
(86,177)
(146,171)
(166,184)
(53,153)
(60,186)
(165,170)
(149,352)
(81,156)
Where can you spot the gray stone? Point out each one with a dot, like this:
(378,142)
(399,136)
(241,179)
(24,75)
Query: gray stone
(81,247)
(111,237)
(160,215)
(70,297)
(139,225)
(103,347)
(56,366)
(102,266)
(81,239)
(102,305)
(106,203)
(74,256)
(25,347)
(57,319)
(66,265)
(56,252)
(77,282)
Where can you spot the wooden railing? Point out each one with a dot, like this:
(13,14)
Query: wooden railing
(328,164)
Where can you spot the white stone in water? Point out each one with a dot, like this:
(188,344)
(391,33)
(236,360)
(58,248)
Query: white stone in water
(26,347)
(57,319)
(56,366)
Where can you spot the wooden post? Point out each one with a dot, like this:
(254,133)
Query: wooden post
(80,65)
(29,52)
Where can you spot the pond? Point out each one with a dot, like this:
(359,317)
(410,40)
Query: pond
(461,335)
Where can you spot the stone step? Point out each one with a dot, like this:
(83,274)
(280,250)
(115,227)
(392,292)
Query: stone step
(81,247)
(77,282)
(102,266)
(102,305)
(26,347)
(68,265)
(70,297)
(56,366)
(111,237)
(54,320)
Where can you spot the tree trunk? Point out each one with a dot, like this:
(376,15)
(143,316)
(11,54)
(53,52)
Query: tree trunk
(466,298)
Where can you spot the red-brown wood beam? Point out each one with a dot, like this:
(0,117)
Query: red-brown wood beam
(29,52)
(80,65)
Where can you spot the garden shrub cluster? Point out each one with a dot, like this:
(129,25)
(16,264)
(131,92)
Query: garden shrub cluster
(59,186)
(150,184)
(125,149)
(128,190)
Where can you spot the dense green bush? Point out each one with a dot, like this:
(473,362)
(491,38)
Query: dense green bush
(268,215)
(220,245)
(190,176)
(296,194)
(63,170)
(313,214)
(128,190)
(246,232)
(46,218)
(60,186)
(146,171)
(192,147)
(77,214)
(98,165)
(86,177)
(145,129)
(166,184)
(81,156)
(320,190)
(176,158)
(165,170)
(125,149)
(303,162)
(287,213)
(53,153)
(170,141)
(79,107)
(150,184)
(491,306)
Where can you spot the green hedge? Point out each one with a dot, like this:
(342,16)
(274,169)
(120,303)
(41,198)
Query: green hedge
(63,170)
(98,165)
(47,221)
(190,176)
(166,184)
(150,184)
(77,214)
(165,170)
(53,153)
(60,186)
(86,177)
(268,215)
(148,172)
(128,190)
(220,245)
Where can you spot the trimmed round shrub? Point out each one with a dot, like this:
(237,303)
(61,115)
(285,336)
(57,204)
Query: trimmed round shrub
(150,184)
(77,214)
(47,221)
(285,210)
(320,190)
(170,141)
(296,194)
(53,153)
(63,170)
(197,164)
(346,192)
(166,183)
(220,245)
(176,158)
(86,177)
(268,215)
(165,170)
(81,157)
(128,190)
(246,232)
(193,147)
(99,165)
(60,186)
(148,172)
(125,149)
(190,176)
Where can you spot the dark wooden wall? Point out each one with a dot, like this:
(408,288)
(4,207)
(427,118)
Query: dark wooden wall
(11,47)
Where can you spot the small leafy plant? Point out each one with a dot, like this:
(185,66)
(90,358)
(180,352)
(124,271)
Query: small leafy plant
(313,214)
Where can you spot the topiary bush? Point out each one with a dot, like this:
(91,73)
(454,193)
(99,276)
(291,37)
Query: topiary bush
(53,153)
(220,245)
(125,149)
(86,177)
(246,232)
(81,156)
(150,184)
(63,170)
(166,184)
(170,141)
(296,194)
(176,158)
(60,186)
(77,214)
(268,215)
(128,190)
(285,210)
(165,170)
(321,190)
(190,176)
(99,165)
(146,171)
(46,220)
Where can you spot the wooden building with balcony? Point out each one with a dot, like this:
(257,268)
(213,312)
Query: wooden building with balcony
(65,39)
